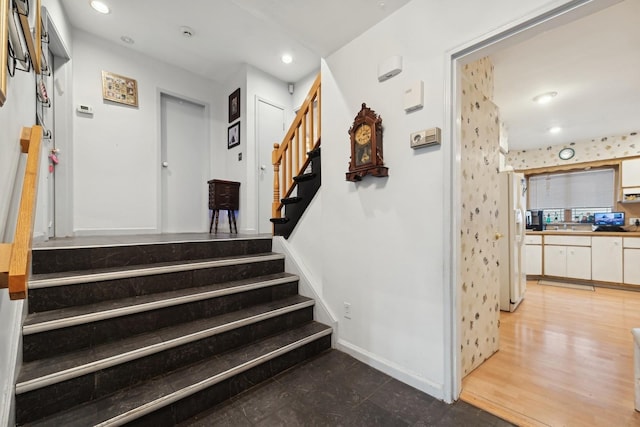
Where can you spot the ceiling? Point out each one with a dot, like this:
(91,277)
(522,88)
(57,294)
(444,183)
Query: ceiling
(228,33)
(592,63)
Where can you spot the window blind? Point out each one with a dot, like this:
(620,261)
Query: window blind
(592,188)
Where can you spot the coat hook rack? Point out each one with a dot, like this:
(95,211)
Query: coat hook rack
(16,50)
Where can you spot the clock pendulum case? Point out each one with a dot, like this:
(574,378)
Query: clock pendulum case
(366,146)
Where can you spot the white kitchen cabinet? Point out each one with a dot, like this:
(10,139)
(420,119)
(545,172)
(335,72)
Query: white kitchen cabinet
(555,261)
(579,262)
(631,173)
(567,256)
(631,258)
(606,259)
(533,255)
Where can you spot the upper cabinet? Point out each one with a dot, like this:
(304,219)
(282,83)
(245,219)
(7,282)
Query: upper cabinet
(630,180)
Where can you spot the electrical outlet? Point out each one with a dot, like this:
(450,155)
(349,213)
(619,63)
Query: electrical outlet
(634,221)
(347,310)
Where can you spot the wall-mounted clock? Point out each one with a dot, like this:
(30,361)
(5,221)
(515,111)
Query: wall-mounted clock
(366,146)
(566,153)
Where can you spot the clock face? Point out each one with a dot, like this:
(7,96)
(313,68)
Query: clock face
(363,134)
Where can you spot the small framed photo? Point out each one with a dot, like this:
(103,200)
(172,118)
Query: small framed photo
(119,89)
(234,105)
(233,135)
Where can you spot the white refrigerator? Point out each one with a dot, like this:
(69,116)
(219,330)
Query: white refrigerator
(513,277)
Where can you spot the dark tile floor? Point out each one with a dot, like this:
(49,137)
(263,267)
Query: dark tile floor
(335,389)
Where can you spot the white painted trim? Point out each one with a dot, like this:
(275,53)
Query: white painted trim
(114,231)
(308,284)
(392,369)
(550,16)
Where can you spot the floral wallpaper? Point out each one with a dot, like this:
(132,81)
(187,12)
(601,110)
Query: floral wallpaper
(479,263)
(609,147)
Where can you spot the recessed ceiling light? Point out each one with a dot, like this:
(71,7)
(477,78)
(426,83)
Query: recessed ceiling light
(555,129)
(186,31)
(127,40)
(543,98)
(287,59)
(98,6)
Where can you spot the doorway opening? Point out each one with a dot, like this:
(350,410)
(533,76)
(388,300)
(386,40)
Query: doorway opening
(520,32)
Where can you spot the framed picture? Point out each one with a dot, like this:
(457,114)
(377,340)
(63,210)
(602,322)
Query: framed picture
(119,89)
(233,135)
(4,48)
(234,105)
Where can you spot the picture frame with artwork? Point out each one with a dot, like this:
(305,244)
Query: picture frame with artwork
(234,105)
(120,89)
(233,135)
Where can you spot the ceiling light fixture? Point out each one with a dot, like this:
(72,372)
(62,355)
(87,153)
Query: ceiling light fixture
(555,129)
(543,98)
(287,59)
(127,40)
(99,6)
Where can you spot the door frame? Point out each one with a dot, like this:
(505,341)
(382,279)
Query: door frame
(536,22)
(259,99)
(207,113)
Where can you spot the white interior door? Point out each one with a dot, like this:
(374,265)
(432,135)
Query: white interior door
(184,164)
(270,129)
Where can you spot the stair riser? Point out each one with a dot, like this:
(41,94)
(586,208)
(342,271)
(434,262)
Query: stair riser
(64,340)
(75,259)
(55,398)
(206,399)
(55,297)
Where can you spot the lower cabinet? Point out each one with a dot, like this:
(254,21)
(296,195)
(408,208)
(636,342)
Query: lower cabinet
(533,255)
(567,256)
(606,259)
(631,258)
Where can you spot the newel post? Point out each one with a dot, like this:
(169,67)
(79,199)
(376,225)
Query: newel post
(275,160)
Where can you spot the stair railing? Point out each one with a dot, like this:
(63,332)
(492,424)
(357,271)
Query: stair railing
(290,158)
(15,257)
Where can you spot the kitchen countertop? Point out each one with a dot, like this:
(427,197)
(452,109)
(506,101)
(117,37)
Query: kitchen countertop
(583,233)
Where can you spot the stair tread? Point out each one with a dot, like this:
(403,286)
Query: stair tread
(48,371)
(68,316)
(83,276)
(136,401)
(304,177)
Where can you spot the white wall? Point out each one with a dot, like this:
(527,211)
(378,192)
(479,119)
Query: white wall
(17,112)
(116,153)
(383,239)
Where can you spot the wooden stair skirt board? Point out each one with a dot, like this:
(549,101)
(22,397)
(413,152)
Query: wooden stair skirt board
(155,334)
(307,185)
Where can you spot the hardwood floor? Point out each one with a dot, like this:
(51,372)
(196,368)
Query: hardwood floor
(565,359)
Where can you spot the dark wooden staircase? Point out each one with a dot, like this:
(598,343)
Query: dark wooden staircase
(306,187)
(153,334)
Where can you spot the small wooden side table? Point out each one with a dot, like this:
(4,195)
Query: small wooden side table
(224,195)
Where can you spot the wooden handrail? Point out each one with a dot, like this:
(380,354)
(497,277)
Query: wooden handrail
(15,258)
(290,158)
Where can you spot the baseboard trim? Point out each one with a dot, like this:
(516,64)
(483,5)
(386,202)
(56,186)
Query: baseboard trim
(392,369)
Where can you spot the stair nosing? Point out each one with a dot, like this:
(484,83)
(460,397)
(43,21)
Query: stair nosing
(140,308)
(201,385)
(147,271)
(74,372)
(123,244)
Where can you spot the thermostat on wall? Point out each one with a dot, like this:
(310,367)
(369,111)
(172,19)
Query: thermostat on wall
(425,138)
(84,109)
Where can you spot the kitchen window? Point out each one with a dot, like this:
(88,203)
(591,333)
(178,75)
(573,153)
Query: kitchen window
(579,190)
